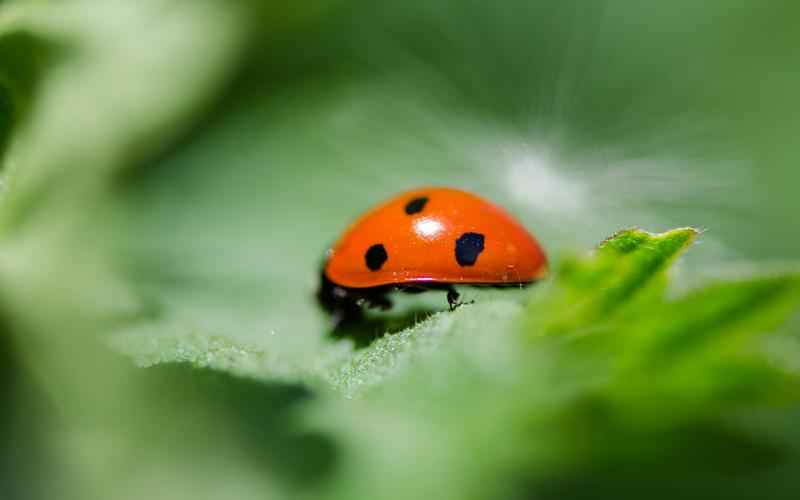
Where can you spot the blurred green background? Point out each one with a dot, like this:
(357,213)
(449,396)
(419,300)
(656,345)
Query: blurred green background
(173,170)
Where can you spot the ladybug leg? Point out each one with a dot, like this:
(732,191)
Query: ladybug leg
(452,298)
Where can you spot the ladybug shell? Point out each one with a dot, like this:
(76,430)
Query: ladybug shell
(435,235)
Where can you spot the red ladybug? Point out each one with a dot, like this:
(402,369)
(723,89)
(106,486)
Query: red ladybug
(429,238)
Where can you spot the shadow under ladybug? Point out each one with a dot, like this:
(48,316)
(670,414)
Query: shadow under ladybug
(346,305)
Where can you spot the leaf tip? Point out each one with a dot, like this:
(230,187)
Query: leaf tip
(627,240)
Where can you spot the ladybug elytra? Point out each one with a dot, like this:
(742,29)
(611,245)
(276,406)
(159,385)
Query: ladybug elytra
(427,239)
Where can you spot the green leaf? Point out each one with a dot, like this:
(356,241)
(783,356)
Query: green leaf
(22,57)
(98,112)
(720,315)
(644,397)
(591,290)
(700,348)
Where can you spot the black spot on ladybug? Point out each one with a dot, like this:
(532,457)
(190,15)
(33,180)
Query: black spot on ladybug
(468,247)
(376,256)
(416,205)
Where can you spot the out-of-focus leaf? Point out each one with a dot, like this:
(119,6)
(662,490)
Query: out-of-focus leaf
(87,90)
(24,420)
(21,59)
(94,113)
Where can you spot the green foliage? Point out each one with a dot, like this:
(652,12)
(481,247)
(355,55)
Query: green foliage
(638,390)
(172,172)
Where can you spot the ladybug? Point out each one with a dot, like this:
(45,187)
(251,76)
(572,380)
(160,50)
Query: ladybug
(426,239)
